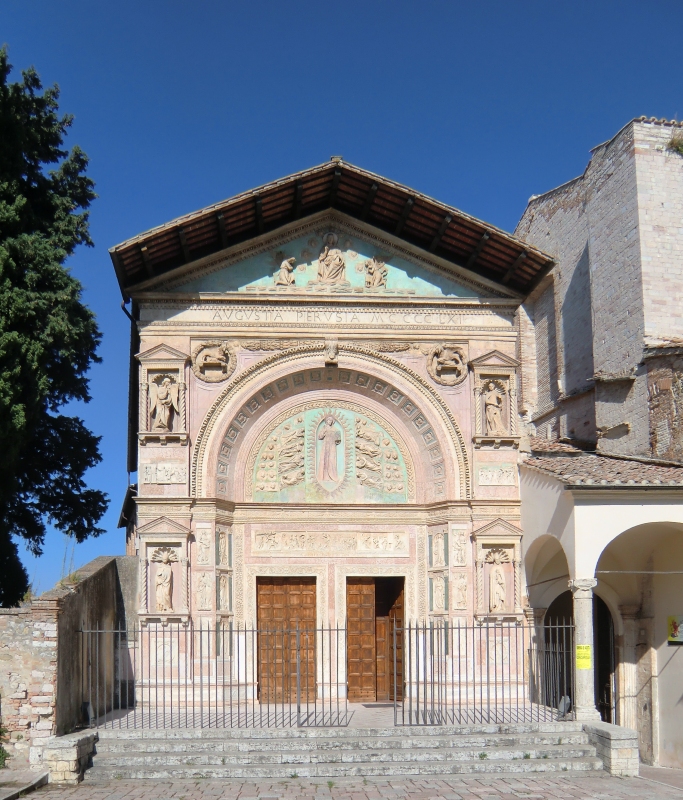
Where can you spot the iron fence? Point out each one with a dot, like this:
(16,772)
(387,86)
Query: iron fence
(459,674)
(182,676)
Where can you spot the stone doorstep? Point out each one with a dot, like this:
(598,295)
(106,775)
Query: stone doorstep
(65,757)
(617,747)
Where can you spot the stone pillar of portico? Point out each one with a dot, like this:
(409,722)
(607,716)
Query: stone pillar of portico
(628,711)
(584,659)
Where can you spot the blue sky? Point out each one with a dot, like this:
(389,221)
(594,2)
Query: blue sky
(178,105)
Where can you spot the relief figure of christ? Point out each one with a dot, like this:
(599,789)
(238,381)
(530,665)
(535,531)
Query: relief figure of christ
(327,459)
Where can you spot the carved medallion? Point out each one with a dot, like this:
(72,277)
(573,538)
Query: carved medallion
(213,362)
(447,365)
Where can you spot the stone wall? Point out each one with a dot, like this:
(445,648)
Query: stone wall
(40,651)
(616,235)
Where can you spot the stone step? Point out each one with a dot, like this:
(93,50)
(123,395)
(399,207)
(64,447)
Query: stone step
(106,734)
(228,745)
(342,756)
(566,766)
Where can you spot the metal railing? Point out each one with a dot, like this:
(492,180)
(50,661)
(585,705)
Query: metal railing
(230,676)
(460,674)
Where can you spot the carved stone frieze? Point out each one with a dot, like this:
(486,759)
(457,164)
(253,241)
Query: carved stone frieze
(330,544)
(164,472)
(214,361)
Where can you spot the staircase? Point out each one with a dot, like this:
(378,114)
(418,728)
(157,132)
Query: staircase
(342,752)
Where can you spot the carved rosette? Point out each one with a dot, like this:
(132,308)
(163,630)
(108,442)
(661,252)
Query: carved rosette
(214,361)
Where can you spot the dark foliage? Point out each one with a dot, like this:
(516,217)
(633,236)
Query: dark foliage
(48,338)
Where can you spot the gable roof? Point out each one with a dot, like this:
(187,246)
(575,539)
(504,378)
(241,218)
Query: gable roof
(440,229)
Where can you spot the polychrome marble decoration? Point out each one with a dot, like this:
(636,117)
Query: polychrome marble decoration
(324,454)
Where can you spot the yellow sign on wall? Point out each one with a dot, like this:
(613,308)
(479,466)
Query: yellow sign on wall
(584,658)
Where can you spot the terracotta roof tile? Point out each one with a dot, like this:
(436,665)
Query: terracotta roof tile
(541,445)
(591,470)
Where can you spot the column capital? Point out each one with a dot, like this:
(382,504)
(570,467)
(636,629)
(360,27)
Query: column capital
(582,588)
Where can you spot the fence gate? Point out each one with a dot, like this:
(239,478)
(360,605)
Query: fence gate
(175,675)
(458,674)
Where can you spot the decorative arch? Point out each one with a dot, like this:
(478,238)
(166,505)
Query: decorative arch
(293,371)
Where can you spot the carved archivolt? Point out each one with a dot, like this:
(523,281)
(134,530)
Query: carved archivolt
(249,375)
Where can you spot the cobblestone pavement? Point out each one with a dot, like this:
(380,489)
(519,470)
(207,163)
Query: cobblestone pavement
(484,788)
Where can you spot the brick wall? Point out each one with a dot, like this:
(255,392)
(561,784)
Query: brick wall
(617,236)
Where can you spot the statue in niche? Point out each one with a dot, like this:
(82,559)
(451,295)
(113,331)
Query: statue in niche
(204,592)
(327,460)
(163,402)
(497,583)
(376,273)
(493,410)
(285,275)
(438,551)
(203,546)
(439,593)
(163,580)
(331,264)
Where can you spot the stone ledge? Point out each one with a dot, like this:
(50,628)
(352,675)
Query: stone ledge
(65,757)
(616,747)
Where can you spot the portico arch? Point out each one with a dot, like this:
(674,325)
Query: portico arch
(398,392)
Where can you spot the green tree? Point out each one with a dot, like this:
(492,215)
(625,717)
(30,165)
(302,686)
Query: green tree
(48,338)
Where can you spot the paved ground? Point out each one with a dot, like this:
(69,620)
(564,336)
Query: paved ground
(504,788)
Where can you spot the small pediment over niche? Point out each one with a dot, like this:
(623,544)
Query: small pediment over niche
(494,359)
(499,527)
(162,352)
(163,525)
(331,256)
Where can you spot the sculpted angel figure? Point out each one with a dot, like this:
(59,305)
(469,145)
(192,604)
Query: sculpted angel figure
(493,406)
(163,583)
(163,403)
(285,276)
(327,462)
(331,264)
(497,588)
(375,274)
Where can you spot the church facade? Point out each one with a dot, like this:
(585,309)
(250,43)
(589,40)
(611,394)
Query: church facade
(346,403)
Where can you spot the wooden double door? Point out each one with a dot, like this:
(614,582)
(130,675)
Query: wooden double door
(282,605)
(373,607)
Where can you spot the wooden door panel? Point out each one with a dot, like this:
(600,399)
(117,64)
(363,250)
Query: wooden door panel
(282,604)
(361,660)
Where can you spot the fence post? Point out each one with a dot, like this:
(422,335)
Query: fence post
(298,678)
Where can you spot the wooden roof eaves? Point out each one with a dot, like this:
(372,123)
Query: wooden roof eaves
(329,167)
(457,271)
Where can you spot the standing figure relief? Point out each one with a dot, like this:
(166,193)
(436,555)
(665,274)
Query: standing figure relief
(497,582)
(163,403)
(163,580)
(493,410)
(327,460)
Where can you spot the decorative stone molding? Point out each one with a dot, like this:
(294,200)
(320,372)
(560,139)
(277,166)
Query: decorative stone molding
(495,404)
(165,543)
(498,577)
(214,361)
(308,544)
(263,368)
(162,413)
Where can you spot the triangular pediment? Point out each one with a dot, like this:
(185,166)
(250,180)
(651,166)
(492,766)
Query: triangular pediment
(494,359)
(499,527)
(329,256)
(163,525)
(162,352)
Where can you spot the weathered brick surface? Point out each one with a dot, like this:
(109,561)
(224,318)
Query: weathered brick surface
(617,235)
